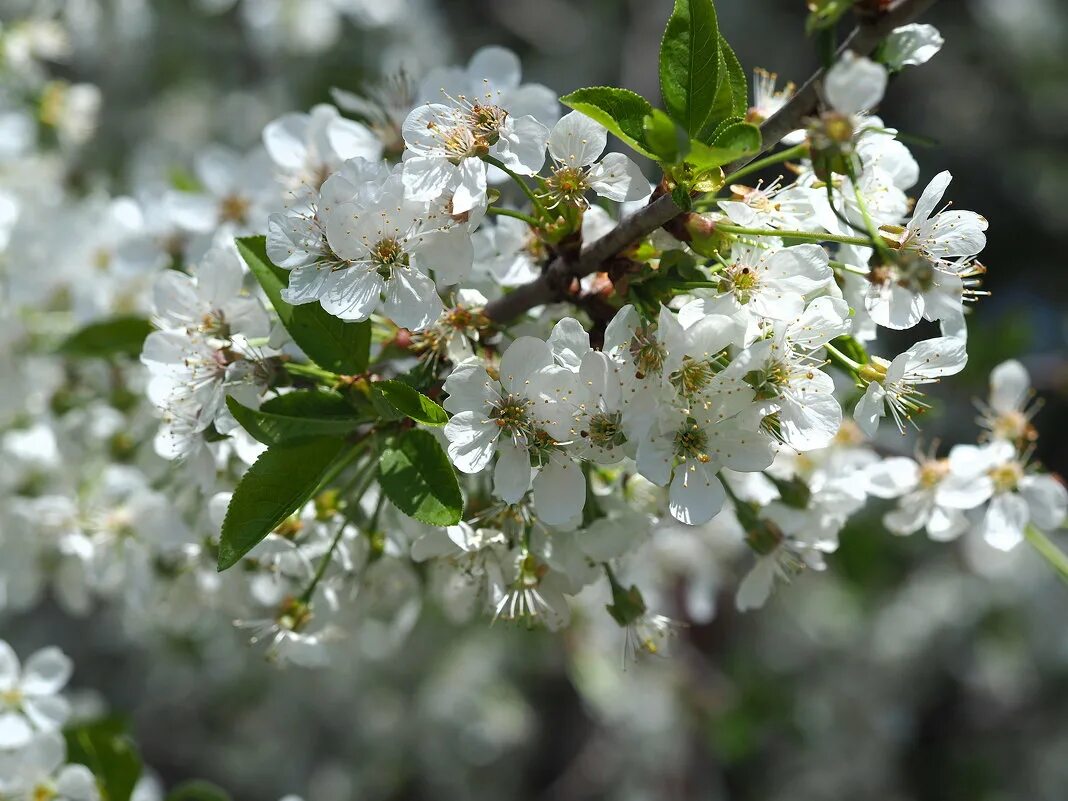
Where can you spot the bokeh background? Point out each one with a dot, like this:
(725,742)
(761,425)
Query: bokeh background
(910,670)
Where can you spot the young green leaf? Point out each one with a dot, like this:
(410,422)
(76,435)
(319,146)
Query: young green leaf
(297,423)
(665,138)
(416,476)
(412,403)
(690,63)
(119,336)
(736,140)
(104,747)
(732,96)
(272,489)
(329,341)
(619,110)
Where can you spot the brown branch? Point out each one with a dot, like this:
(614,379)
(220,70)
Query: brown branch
(555,282)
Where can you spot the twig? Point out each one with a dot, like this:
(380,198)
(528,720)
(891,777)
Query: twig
(555,280)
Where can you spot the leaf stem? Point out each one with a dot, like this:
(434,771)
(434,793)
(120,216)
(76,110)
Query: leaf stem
(496,162)
(837,356)
(1049,551)
(797,151)
(503,212)
(847,268)
(869,223)
(311,371)
(811,236)
(324,563)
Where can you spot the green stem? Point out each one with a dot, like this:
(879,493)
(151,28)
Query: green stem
(519,180)
(847,268)
(837,356)
(311,371)
(797,151)
(869,223)
(503,212)
(811,236)
(1049,551)
(324,563)
(339,466)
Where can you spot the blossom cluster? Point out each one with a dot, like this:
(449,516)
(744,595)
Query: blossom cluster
(712,374)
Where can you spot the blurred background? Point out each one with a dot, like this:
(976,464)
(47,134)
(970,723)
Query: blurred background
(909,670)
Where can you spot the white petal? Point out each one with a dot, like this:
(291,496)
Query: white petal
(569,342)
(870,409)
(932,196)
(449,254)
(1010,386)
(577,141)
(284,139)
(511,475)
(738,449)
(855,83)
(823,319)
(559,492)
(696,494)
(654,459)
(496,68)
(811,422)
(618,178)
(306,285)
(894,307)
(1003,525)
(76,783)
(9,667)
(1046,499)
(219,277)
(46,672)
(47,712)
(911,45)
(933,358)
(523,357)
(412,300)
(350,139)
(755,588)
(426,177)
(472,441)
(292,241)
(892,477)
(522,145)
(470,192)
(15,732)
(353,293)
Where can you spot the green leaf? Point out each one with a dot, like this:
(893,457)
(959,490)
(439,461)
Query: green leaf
(198,791)
(735,141)
(119,336)
(416,476)
(297,423)
(329,341)
(104,747)
(272,489)
(619,110)
(411,402)
(665,137)
(732,96)
(690,63)
(309,403)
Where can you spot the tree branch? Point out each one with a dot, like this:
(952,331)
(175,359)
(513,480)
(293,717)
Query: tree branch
(555,281)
